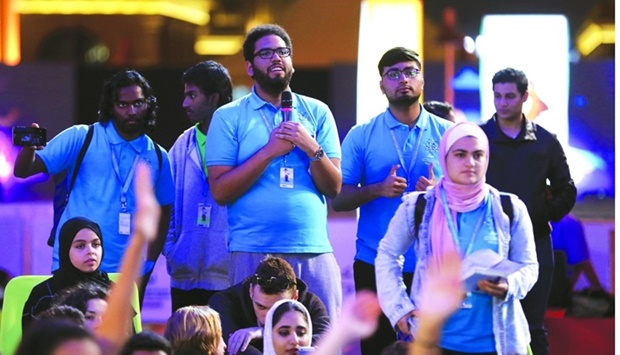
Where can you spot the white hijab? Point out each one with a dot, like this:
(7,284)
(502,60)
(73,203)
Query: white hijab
(268,330)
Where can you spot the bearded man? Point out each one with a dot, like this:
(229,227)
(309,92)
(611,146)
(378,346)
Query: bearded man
(275,174)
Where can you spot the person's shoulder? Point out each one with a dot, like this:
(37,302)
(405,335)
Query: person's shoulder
(308,100)
(230,296)
(240,102)
(541,132)
(369,125)
(183,138)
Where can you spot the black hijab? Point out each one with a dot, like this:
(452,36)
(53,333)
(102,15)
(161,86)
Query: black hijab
(68,275)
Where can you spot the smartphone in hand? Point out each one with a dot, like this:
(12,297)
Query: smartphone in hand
(25,136)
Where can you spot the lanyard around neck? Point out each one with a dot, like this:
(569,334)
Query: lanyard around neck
(128,178)
(401,157)
(452,227)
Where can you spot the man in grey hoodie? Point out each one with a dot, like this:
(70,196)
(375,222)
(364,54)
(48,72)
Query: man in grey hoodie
(195,247)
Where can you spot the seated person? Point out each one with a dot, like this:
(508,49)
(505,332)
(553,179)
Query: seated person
(568,235)
(58,336)
(80,252)
(69,313)
(243,306)
(287,328)
(147,342)
(89,298)
(195,330)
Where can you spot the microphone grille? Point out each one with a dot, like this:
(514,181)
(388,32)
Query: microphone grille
(287,99)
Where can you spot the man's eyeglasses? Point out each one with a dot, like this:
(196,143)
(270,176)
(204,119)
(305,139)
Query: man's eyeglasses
(267,53)
(281,284)
(394,74)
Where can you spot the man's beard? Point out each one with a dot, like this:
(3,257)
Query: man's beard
(404,101)
(273,86)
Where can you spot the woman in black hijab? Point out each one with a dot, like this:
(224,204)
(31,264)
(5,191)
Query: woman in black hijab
(80,253)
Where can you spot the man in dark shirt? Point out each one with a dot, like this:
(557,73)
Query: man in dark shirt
(243,307)
(523,157)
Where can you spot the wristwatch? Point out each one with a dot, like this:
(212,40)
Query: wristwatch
(318,155)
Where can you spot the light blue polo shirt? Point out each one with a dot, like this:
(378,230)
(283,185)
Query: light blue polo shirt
(268,218)
(97,190)
(368,154)
(470,328)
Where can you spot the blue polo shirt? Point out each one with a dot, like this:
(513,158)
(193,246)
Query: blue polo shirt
(268,218)
(368,154)
(97,190)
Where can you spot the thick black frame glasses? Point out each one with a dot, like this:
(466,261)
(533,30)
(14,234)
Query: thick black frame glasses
(394,74)
(281,284)
(267,53)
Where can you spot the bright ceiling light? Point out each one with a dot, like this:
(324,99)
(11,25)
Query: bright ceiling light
(193,11)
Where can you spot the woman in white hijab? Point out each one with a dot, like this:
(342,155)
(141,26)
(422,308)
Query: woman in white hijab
(288,327)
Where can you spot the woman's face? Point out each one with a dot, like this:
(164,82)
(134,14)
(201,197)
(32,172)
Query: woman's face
(221,348)
(85,252)
(290,333)
(94,310)
(466,161)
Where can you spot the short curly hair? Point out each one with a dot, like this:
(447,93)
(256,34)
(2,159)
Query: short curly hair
(261,31)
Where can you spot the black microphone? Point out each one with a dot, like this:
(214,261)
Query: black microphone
(287,105)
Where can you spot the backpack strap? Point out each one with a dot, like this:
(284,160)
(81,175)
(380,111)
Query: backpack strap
(507,207)
(420,206)
(158,151)
(159,158)
(89,138)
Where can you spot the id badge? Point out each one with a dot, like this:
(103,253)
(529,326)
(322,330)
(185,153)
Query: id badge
(466,304)
(204,215)
(287,178)
(124,223)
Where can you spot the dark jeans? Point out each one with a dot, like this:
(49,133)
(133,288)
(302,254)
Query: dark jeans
(194,297)
(364,276)
(534,306)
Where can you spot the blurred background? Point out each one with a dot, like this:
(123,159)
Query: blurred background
(55,55)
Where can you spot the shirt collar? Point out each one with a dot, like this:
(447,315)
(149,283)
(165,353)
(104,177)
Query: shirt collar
(256,103)
(201,138)
(392,122)
(528,129)
(114,138)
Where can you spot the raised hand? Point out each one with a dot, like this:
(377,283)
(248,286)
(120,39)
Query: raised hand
(393,185)
(423,183)
(146,220)
(443,290)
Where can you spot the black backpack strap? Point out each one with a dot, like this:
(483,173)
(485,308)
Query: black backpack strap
(420,206)
(158,151)
(89,138)
(159,158)
(507,207)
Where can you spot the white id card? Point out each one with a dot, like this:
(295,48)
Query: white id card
(124,223)
(204,215)
(287,178)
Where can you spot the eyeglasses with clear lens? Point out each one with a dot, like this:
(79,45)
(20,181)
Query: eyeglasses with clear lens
(281,284)
(394,74)
(267,53)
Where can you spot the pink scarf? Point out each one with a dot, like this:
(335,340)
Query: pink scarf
(461,198)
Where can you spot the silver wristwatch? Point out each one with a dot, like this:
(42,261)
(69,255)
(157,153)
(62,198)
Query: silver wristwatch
(318,155)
